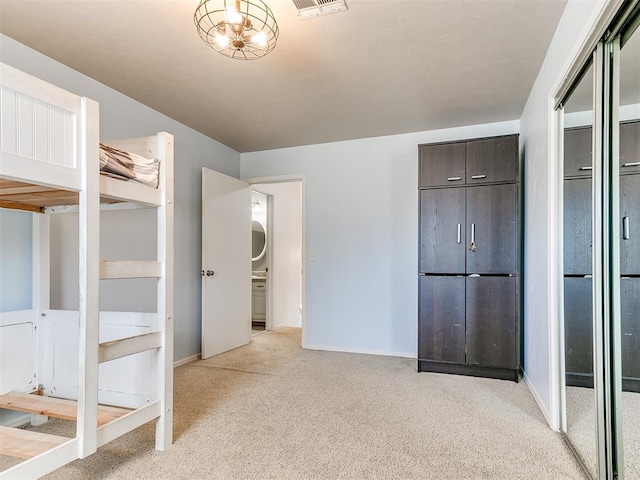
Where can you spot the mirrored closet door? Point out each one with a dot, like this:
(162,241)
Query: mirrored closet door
(626,328)
(601,250)
(578,272)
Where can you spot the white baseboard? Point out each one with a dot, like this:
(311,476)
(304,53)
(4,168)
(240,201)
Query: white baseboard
(361,351)
(186,360)
(538,399)
(18,421)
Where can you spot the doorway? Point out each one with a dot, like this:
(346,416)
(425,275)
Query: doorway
(281,270)
(260,258)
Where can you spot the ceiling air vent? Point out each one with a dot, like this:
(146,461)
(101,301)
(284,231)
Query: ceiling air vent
(313,8)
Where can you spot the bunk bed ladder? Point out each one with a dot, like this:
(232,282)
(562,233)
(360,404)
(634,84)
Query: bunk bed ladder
(160,340)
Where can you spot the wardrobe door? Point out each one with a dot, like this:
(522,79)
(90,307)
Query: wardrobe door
(442,243)
(492,160)
(630,147)
(491,321)
(441,313)
(630,228)
(630,330)
(577,152)
(491,229)
(577,227)
(442,164)
(578,330)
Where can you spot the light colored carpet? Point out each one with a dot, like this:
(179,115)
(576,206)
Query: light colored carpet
(271,410)
(581,424)
(631,434)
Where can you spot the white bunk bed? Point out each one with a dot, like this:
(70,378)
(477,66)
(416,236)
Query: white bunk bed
(49,157)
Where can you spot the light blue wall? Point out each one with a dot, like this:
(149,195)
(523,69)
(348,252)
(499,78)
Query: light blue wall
(123,117)
(361,207)
(15,260)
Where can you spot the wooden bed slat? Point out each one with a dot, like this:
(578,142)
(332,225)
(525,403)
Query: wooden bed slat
(17,195)
(55,407)
(33,198)
(22,189)
(21,206)
(16,442)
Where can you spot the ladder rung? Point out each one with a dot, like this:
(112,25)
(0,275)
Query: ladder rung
(134,419)
(130,269)
(16,442)
(55,407)
(129,346)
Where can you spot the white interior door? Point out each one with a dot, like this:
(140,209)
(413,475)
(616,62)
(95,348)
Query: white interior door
(226,263)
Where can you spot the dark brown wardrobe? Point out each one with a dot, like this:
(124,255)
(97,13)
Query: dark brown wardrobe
(578,301)
(469,306)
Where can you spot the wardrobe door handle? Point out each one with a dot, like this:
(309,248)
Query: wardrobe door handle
(453,179)
(585,168)
(631,164)
(477,177)
(625,228)
(459,233)
(473,246)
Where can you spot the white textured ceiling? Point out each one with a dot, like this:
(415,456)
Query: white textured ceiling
(380,68)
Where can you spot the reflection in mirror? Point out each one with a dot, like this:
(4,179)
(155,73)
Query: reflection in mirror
(258,240)
(578,270)
(629,341)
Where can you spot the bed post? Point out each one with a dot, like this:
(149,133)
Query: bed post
(40,300)
(89,280)
(164,424)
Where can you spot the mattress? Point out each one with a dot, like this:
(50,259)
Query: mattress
(128,166)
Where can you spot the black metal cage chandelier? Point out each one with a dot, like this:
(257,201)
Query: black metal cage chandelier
(240,29)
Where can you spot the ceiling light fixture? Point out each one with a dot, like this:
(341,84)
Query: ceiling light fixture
(240,29)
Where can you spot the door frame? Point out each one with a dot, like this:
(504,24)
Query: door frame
(292,178)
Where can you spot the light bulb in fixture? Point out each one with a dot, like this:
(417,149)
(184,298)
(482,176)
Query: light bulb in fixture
(256,207)
(222,40)
(260,39)
(233,16)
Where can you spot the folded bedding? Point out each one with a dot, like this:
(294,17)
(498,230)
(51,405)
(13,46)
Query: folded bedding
(128,166)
